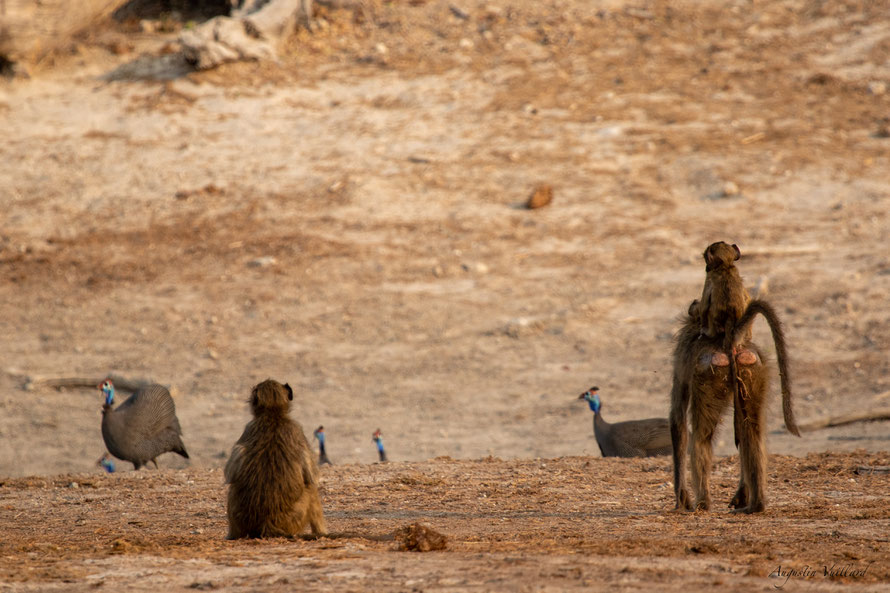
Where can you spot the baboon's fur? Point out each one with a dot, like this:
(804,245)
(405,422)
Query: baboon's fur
(272,474)
(703,391)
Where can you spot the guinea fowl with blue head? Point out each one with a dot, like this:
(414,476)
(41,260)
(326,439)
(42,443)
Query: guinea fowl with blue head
(143,427)
(106,463)
(322,454)
(633,438)
(377,437)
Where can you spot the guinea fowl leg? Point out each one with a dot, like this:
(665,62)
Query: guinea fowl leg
(156,463)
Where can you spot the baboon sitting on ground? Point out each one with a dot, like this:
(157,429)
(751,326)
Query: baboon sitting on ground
(272,474)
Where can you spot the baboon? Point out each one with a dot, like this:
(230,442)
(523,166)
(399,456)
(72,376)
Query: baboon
(701,388)
(723,301)
(272,474)
(724,297)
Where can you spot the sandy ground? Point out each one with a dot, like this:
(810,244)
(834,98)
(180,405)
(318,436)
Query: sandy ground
(349,220)
(567,524)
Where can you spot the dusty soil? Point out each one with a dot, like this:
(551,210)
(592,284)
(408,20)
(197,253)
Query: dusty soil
(573,523)
(350,220)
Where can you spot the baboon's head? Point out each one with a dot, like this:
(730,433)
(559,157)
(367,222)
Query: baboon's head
(271,395)
(721,254)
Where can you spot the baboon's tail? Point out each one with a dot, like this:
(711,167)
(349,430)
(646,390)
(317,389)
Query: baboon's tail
(755,307)
(730,335)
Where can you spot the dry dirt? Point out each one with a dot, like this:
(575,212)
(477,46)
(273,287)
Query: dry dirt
(572,523)
(350,220)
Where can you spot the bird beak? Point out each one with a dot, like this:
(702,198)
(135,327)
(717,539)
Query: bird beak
(583,394)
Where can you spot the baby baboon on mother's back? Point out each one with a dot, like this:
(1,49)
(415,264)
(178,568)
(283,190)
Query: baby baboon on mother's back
(272,474)
(724,297)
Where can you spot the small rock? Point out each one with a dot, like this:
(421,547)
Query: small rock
(877,87)
(522,326)
(730,189)
(541,196)
(419,537)
(74,485)
(261,262)
(477,267)
(882,131)
(121,546)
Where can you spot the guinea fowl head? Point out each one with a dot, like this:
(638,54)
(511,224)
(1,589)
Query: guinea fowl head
(107,388)
(106,463)
(592,398)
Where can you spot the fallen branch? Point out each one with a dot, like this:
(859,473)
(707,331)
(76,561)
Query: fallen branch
(341,4)
(784,250)
(845,419)
(859,437)
(872,469)
(120,383)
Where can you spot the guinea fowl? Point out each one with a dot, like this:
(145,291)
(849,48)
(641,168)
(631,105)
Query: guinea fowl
(377,437)
(634,438)
(142,427)
(106,463)
(322,454)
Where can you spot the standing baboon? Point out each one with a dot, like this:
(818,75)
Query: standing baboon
(701,388)
(272,475)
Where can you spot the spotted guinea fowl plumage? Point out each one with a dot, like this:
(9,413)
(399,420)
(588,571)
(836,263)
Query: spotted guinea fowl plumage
(143,427)
(633,438)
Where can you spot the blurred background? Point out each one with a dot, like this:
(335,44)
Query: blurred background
(342,205)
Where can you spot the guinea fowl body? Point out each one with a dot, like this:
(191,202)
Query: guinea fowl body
(633,438)
(143,427)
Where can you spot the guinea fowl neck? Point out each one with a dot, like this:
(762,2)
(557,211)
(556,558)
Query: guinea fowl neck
(598,419)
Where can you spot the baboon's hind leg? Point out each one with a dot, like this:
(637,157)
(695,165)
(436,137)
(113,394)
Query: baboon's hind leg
(752,452)
(679,438)
(315,514)
(704,423)
(740,499)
